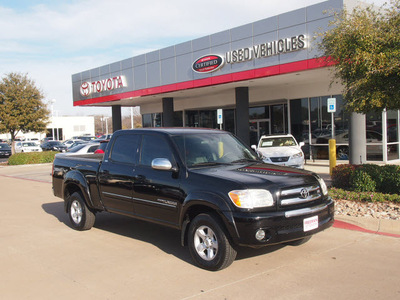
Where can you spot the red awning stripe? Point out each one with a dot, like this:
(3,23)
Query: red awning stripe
(214,80)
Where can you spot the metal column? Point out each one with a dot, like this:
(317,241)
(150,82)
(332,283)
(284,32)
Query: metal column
(168,112)
(242,114)
(116,117)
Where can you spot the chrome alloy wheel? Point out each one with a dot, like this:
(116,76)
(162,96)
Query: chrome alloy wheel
(76,212)
(206,243)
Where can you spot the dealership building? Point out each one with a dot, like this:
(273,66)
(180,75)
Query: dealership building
(263,78)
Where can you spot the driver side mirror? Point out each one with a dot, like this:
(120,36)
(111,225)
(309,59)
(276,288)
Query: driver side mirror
(163,164)
(254,147)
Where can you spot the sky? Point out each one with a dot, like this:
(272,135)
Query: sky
(52,39)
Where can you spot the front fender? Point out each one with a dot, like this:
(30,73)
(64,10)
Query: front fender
(198,202)
(74,180)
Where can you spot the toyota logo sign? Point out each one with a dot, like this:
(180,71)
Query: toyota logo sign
(304,194)
(98,86)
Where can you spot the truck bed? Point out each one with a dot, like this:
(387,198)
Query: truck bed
(84,164)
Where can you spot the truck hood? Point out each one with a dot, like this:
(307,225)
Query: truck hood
(259,175)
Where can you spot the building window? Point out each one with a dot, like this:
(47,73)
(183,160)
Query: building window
(311,123)
(178,118)
(299,120)
(392,133)
(260,112)
(374,136)
(201,118)
(229,120)
(152,120)
(279,119)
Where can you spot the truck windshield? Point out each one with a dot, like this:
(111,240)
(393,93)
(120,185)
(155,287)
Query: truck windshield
(212,148)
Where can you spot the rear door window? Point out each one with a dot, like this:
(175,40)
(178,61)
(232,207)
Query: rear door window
(125,149)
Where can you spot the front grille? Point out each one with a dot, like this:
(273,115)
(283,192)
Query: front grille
(289,227)
(279,159)
(300,195)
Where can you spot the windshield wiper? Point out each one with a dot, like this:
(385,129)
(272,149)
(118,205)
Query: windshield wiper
(209,163)
(245,160)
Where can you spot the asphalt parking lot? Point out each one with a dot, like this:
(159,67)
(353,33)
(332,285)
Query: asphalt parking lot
(121,258)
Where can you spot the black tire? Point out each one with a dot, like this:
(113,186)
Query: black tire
(208,243)
(80,216)
(299,242)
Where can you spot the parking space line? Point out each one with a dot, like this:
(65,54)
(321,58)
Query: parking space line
(24,178)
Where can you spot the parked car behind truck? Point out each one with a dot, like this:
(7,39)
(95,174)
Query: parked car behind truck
(27,147)
(205,183)
(281,150)
(5,150)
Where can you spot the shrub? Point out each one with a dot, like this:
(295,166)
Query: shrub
(390,179)
(32,158)
(341,176)
(361,181)
(375,172)
(341,194)
(368,177)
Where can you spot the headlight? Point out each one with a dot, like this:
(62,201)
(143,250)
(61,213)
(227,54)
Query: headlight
(324,188)
(251,198)
(299,154)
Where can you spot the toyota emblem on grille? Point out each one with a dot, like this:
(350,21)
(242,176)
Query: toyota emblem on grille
(304,193)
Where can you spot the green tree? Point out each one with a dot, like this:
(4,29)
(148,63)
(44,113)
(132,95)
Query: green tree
(364,46)
(21,106)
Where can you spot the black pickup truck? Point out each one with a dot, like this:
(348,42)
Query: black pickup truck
(203,182)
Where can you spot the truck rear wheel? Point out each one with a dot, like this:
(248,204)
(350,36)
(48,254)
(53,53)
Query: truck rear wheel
(208,244)
(80,216)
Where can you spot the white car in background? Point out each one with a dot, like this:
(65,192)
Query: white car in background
(280,150)
(27,147)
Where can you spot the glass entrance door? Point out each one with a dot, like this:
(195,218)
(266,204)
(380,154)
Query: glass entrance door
(258,128)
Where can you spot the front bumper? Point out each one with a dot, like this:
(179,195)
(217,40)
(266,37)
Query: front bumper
(282,226)
(292,162)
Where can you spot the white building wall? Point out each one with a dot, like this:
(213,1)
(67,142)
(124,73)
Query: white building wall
(71,126)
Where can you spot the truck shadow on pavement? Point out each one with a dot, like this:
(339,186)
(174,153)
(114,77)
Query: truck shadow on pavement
(165,238)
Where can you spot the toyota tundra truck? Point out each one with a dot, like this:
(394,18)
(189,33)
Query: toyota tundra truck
(204,182)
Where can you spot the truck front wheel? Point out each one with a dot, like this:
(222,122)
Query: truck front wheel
(80,216)
(208,244)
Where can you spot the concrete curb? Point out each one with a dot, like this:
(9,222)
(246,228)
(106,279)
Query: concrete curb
(24,166)
(369,225)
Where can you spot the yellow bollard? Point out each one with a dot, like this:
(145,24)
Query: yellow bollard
(332,155)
